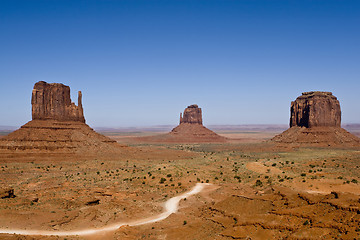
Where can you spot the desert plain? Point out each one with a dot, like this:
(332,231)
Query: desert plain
(61,179)
(257,189)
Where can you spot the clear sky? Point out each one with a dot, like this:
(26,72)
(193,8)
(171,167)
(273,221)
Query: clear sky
(140,63)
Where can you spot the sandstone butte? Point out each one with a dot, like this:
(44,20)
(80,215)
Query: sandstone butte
(190,130)
(315,120)
(57,125)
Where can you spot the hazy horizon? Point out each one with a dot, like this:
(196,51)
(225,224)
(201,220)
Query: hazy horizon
(141,63)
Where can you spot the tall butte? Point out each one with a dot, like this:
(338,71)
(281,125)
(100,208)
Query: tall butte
(316,120)
(57,125)
(51,101)
(190,130)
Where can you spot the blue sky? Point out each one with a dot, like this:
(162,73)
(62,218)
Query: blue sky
(140,63)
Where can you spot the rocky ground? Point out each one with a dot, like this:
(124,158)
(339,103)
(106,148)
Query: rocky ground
(257,191)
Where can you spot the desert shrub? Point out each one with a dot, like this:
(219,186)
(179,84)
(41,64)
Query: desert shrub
(303,174)
(258,183)
(354,181)
(162,180)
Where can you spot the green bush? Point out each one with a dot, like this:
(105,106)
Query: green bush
(258,183)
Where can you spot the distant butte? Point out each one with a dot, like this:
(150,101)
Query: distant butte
(190,130)
(57,125)
(192,115)
(316,120)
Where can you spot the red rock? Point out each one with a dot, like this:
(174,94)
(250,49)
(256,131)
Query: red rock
(192,115)
(315,109)
(316,121)
(57,125)
(52,101)
(190,130)
(7,193)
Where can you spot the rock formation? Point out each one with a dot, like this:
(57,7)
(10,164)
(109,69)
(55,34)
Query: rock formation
(315,109)
(192,114)
(52,101)
(7,193)
(316,120)
(57,125)
(190,130)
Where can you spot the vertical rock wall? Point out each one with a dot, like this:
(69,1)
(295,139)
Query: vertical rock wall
(52,101)
(315,109)
(192,114)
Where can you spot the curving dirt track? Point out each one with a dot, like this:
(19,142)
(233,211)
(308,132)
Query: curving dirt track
(171,206)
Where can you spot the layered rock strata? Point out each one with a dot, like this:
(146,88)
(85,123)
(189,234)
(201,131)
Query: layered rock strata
(52,101)
(190,130)
(316,120)
(315,109)
(57,125)
(192,115)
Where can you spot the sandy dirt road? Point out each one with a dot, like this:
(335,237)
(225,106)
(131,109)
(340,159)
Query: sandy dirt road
(171,206)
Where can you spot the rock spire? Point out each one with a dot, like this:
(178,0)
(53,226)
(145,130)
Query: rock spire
(57,125)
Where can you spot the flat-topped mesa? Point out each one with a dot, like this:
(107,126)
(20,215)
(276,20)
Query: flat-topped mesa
(315,109)
(192,114)
(51,101)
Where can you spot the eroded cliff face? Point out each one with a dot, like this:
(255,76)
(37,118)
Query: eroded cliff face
(315,109)
(316,121)
(57,125)
(192,114)
(51,101)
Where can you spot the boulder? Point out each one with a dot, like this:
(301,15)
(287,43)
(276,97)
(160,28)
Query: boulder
(92,201)
(7,193)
